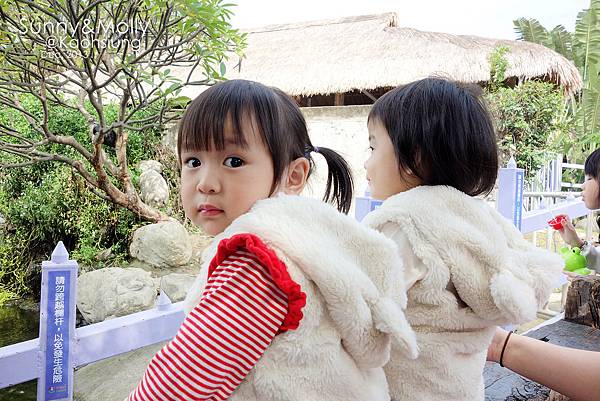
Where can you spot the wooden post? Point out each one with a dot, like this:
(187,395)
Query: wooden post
(583,301)
(338,99)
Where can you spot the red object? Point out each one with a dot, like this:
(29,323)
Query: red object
(557,223)
(277,270)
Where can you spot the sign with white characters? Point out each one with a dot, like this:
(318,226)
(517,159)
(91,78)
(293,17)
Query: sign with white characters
(57,327)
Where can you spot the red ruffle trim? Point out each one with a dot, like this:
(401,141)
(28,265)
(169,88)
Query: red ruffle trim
(277,269)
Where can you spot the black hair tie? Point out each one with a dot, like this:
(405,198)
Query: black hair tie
(308,150)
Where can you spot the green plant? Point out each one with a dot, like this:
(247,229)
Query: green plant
(6,295)
(530,120)
(59,208)
(498,65)
(47,202)
(582,47)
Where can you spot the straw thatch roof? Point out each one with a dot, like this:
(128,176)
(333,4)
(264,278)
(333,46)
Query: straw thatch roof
(369,52)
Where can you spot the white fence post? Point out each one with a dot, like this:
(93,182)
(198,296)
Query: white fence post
(57,327)
(557,171)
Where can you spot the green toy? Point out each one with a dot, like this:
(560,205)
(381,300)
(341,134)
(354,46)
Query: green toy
(574,261)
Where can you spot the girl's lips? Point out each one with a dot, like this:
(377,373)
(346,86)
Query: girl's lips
(209,210)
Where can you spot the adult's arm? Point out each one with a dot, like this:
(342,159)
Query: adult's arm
(572,372)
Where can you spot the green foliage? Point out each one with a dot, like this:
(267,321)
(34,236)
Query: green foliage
(6,295)
(58,207)
(582,47)
(530,120)
(47,202)
(498,66)
(69,122)
(530,30)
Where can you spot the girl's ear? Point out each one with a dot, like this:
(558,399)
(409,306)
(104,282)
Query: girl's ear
(296,176)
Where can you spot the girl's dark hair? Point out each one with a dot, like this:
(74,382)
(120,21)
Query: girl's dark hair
(442,132)
(592,168)
(278,120)
(592,165)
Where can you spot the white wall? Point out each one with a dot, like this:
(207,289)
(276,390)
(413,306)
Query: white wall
(343,129)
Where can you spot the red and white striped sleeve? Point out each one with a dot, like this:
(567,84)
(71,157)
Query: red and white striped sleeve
(245,304)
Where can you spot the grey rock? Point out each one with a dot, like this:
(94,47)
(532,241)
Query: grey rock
(151,165)
(154,189)
(114,291)
(162,245)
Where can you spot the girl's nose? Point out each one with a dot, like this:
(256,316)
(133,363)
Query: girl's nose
(208,182)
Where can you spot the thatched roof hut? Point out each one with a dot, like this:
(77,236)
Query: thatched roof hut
(365,53)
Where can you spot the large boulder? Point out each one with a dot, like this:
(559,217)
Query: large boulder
(162,245)
(114,291)
(154,189)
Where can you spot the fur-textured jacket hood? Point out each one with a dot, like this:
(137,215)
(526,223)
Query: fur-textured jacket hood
(354,289)
(499,275)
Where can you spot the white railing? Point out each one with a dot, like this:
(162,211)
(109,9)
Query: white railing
(545,191)
(549,176)
(61,347)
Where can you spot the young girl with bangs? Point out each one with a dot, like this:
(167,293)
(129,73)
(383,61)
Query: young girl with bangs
(590,192)
(467,269)
(293,302)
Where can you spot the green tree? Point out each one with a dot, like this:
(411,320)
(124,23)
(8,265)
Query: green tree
(81,55)
(582,47)
(47,202)
(530,119)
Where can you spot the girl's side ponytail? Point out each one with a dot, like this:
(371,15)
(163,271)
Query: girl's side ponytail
(340,186)
(290,140)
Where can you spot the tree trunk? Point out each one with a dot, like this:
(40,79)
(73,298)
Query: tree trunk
(143,210)
(583,301)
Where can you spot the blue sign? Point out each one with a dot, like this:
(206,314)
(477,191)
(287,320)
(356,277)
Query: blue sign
(518,199)
(374,204)
(57,335)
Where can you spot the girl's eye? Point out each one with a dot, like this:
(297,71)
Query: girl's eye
(371,148)
(192,162)
(233,162)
